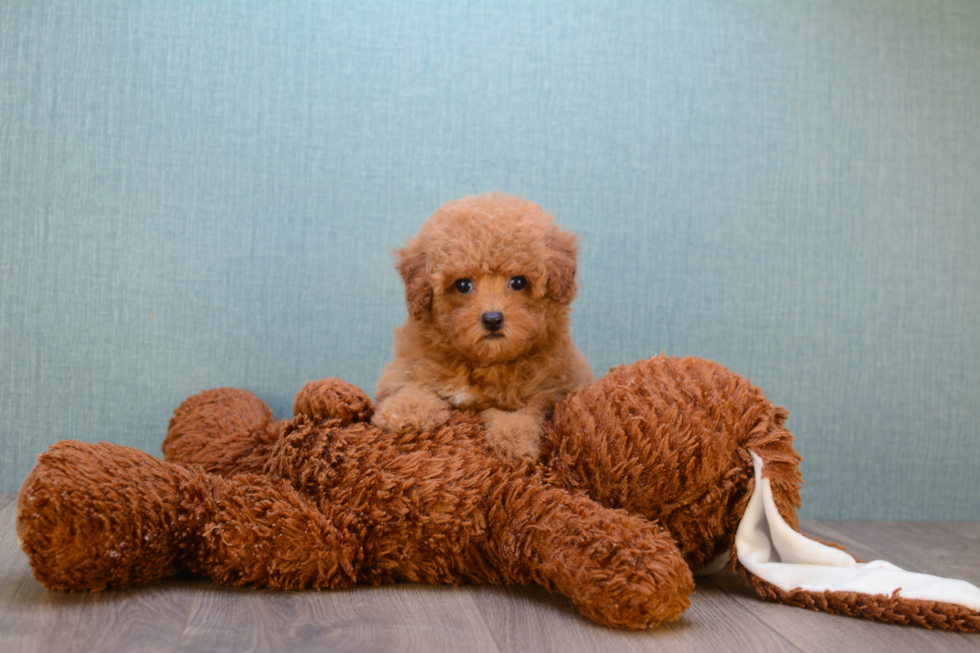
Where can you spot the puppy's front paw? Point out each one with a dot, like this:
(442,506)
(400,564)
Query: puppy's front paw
(411,410)
(513,435)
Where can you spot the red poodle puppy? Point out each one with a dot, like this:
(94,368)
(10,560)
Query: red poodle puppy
(489,281)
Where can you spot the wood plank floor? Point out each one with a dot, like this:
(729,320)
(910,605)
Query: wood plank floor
(190,614)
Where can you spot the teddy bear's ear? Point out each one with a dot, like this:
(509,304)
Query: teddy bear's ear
(561,265)
(411,265)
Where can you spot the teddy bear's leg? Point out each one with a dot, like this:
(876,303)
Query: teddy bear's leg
(96,516)
(618,569)
(91,516)
(225,431)
(228,431)
(260,531)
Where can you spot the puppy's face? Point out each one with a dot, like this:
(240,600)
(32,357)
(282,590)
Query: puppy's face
(492,275)
(492,316)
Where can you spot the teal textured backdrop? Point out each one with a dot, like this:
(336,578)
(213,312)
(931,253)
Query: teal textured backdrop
(207,194)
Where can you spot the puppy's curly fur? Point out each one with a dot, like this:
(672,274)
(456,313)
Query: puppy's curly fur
(489,281)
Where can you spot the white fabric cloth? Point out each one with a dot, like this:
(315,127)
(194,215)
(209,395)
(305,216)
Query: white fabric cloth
(770,549)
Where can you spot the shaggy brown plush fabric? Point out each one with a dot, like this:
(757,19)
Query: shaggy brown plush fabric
(644,476)
(894,609)
(668,439)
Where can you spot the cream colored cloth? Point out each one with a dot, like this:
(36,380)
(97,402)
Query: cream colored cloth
(771,550)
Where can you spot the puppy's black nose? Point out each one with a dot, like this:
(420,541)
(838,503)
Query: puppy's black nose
(493,320)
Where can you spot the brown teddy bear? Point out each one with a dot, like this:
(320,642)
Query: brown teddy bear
(656,469)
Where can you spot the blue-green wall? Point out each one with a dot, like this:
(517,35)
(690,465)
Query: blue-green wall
(196,194)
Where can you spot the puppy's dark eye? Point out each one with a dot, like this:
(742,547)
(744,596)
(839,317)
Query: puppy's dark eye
(463,286)
(517,283)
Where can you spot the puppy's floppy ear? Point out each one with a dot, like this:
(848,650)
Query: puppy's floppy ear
(561,265)
(411,265)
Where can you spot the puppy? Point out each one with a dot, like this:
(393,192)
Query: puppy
(488,281)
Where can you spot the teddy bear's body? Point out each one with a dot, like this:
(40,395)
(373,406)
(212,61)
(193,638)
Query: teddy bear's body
(644,477)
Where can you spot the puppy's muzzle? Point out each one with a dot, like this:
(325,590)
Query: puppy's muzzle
(492,322)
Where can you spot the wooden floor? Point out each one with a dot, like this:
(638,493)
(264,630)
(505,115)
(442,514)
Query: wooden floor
(189,614)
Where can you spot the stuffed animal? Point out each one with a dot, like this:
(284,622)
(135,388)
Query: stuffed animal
(656,470)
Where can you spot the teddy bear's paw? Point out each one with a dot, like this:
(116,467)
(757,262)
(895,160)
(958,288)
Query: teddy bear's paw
(639,584)
(513,435)
(226,431)
(333,399)
(411,410)
(91,516)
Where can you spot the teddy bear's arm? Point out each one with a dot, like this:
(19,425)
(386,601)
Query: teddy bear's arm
(618,569)
(333,399)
